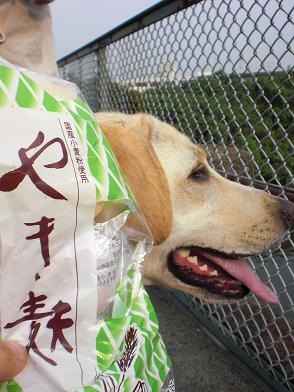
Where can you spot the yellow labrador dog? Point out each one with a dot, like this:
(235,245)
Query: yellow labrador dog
(202,223)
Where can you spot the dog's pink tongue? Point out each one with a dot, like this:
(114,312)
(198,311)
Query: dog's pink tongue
(242,271)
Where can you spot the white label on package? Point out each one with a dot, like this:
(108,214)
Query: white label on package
(48,281)
(109,265)
(113,259)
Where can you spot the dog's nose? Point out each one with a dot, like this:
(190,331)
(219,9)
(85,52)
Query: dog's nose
(287,211)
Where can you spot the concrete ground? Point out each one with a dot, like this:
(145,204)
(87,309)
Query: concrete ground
(199,364)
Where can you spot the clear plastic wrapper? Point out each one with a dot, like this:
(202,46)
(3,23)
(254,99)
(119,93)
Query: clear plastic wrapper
(72,246)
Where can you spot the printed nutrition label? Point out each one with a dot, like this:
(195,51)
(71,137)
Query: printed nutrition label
(108,266)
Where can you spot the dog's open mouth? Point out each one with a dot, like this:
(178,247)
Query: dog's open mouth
(227,276)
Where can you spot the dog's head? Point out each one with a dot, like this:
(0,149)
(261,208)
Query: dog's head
(202,223)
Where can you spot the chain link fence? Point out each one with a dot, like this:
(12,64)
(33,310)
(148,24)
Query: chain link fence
(221,72)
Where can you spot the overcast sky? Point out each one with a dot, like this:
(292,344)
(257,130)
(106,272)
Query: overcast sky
(76,22)
(249,36)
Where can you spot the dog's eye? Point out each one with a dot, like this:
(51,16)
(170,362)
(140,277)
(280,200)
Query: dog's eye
(198,174)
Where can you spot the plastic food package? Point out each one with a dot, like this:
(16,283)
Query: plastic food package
(72,244)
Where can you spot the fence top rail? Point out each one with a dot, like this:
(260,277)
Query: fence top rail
(151,15)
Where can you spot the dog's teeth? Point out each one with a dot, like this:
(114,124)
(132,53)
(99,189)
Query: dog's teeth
(204,267)
(193,260)
(214,273)
(184,252)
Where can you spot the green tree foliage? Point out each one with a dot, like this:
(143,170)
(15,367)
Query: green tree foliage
(253,113)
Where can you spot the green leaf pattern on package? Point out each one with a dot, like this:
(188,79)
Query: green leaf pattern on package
(133,313)
(151,365)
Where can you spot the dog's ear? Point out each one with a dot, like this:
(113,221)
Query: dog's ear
(130,137)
